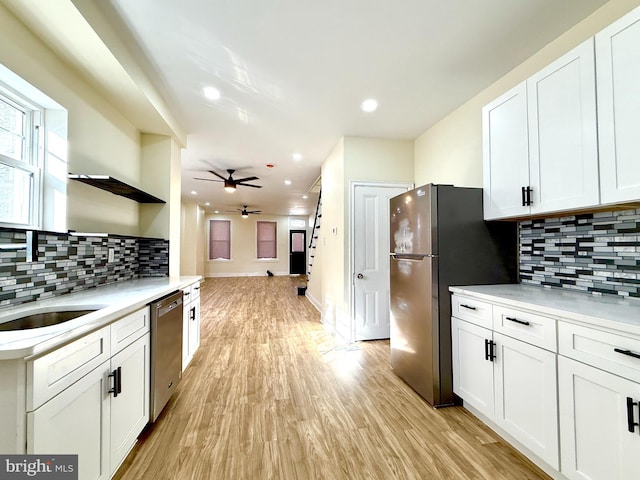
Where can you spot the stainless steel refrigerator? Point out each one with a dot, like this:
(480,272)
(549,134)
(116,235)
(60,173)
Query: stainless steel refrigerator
(438,239)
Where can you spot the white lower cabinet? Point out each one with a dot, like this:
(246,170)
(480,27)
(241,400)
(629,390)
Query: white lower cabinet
(76,422)
(600,434)
(511,382)
(472,373)
(526,397)
(564,387)
(100,415)
(129,411)
(190,323)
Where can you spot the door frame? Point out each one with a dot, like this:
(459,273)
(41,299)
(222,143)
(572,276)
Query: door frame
(352,212)
(306,250)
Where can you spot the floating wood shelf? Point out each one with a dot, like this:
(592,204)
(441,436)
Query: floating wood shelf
(110,184)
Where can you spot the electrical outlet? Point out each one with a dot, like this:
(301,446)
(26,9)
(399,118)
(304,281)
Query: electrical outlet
(111,256)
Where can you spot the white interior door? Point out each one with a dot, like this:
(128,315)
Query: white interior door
(370,253)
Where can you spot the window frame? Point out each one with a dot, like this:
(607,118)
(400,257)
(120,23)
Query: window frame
(32,162)
(275,241)
(209,240)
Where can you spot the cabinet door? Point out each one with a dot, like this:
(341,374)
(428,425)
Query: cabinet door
(194,326)
(472,372)
(505,154)
(596,442)
(130,407)
(618,70)
(76,422)
(562,133)
(526,396)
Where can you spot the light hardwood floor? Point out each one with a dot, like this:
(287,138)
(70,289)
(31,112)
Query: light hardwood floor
(271,395)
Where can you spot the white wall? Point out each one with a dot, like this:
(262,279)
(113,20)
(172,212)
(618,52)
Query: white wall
(451,151)
(352,159)
(192,239)
(244,250)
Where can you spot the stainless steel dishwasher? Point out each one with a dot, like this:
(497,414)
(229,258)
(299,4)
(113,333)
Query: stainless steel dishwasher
(166,350)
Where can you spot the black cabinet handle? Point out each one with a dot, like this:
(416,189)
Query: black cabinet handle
(117,381)
(521,322)
(488,350)
(627,352)
(524,196)
(468,306)
(192,313)
(631,424)
(186,294)
(529,190)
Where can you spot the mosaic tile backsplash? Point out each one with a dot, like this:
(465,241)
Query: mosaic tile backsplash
(68,263)
(595,252)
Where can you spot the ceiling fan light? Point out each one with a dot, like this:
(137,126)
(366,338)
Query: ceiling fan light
(229,186)
(245,215)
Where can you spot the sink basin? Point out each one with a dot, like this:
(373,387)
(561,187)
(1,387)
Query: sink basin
(44,319)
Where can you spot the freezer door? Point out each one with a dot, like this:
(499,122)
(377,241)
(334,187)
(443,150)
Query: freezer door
(413,303)
(411,227)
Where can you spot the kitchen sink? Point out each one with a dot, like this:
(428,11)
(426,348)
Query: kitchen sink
(43,319)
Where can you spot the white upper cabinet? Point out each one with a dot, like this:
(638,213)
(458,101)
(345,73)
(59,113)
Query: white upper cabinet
(563,148)
(506,154)
(540,141)
(618,73)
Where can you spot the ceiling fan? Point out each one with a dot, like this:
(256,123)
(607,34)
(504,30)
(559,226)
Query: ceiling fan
(245,213)
(231,183)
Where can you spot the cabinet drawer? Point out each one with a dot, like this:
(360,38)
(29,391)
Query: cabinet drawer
(472,310)
(609,351)
(128,329)
(52,373)
(526,326)
(195,291)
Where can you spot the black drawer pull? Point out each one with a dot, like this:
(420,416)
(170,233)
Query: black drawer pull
(468,306)
(627,352)
(631,424)
(521,322)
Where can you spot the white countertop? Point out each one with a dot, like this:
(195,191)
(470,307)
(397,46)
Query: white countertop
(113,301)
(606,311)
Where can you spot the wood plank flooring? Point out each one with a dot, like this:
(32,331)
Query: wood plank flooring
(271,395)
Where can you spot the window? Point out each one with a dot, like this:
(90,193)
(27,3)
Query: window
(267,247)
(20,168)
(219,240)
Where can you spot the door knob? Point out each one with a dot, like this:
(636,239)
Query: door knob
(360,276)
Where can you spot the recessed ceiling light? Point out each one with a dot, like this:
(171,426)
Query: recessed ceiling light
(287,182)
(216,211)
(207,204)
(297,157)
(193,192)
(369,105)
(212,93)
(305,196)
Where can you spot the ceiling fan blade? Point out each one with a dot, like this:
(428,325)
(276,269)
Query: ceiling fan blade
(246,179)
(216,174)
(208,179)
(254,211)
(248,185)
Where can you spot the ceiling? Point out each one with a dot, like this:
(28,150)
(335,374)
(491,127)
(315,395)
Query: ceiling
(293,73)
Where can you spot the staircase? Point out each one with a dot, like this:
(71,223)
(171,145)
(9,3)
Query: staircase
(315,233)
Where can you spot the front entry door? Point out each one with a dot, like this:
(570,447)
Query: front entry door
(371,259)
(297,252)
